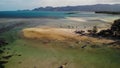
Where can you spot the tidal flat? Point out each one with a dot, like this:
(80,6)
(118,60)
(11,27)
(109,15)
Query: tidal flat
(78,52)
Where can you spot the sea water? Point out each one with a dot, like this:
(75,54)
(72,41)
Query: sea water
(50,14)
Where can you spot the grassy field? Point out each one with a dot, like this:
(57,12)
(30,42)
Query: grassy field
(51,54)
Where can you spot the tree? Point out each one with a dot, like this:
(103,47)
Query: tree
(95,29)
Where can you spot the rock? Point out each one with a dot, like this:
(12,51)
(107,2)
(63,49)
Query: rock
(80,32)
(3,62)
(105,33)
(115,28)
(116,25)
(19,55)
(63,66)
(84,46)
(7,57)
(114,31)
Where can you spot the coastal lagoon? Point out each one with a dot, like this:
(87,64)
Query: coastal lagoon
(27,52)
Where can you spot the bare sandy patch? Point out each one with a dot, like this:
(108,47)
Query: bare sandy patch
(60,34)
(49,33)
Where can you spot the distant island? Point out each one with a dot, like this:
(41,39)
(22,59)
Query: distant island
(92,8)
(107,12)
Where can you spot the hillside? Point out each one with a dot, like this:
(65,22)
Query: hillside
(97,7)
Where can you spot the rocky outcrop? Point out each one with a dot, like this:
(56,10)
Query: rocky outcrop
(114,31)
(105,33)
(115,28)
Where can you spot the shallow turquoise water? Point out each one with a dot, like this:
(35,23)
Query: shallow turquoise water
(49,14)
